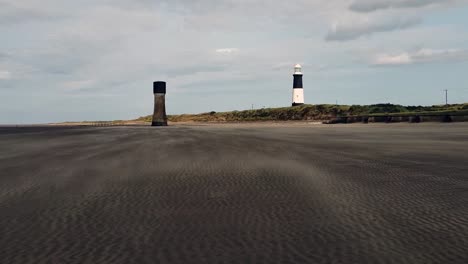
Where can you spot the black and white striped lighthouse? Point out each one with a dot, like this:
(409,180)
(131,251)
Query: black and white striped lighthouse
(298,88)
(159,114)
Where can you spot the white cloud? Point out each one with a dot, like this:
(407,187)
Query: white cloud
(399,59)
(5,75)
(373,5)
(227,50)
(421,56)
(349,30)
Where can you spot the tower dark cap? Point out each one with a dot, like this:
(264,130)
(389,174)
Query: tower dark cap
(159,87)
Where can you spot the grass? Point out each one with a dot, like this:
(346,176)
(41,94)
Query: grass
(316,112)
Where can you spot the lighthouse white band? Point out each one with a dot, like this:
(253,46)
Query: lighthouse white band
(298,96)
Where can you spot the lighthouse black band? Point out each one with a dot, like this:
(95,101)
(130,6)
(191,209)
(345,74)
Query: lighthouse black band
(297,81)
(159,87)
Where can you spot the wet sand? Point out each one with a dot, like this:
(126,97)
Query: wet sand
(299,193)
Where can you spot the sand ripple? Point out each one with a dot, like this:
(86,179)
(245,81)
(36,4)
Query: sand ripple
(355,194)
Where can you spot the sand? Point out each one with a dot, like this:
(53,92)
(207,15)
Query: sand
(278,193)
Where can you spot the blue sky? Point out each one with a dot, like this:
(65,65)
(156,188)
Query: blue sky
(96,60)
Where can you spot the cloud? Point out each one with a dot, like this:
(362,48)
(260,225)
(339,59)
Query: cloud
(178,72)
(421,56)
(15,12)
(5,75)
(399,59)
(10,13)
(78,85)
(344,31)
(227,51)
(118,47)
(365,6)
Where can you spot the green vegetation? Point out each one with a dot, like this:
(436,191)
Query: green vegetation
(316,112)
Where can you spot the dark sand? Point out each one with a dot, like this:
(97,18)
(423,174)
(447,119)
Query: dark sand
(395,193)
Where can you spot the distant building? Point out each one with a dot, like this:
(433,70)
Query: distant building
(298,89)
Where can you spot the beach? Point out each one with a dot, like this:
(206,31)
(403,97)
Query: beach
(235,193)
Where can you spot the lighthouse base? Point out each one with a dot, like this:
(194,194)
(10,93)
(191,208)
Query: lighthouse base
(297,104)
(159,124)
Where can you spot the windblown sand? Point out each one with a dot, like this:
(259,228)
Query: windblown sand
(235,194)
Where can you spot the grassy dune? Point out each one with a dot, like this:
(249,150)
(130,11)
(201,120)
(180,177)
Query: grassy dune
(315,112)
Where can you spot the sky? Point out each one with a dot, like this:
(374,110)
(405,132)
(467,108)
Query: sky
(97,59)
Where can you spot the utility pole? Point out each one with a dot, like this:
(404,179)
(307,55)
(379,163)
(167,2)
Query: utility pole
(446,97)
